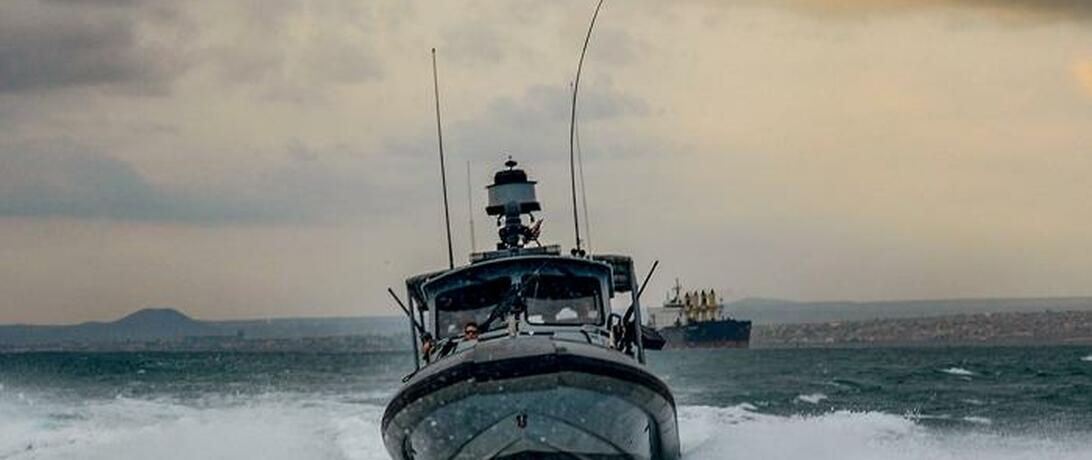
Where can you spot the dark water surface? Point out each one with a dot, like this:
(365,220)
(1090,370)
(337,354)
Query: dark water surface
(968,402)
(1009,386)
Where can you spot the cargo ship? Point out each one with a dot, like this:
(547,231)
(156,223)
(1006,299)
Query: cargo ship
(697,319)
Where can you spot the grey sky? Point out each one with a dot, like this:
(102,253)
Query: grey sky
(277,158)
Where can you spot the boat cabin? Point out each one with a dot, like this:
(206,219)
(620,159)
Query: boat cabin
(563,296)
(538,291)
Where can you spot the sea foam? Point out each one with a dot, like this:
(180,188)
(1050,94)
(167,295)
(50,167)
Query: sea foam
(711,433)
(273,427)
(958,371)
(814,398)
(321,427)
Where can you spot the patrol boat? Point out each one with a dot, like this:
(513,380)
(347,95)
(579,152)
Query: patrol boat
(522,357)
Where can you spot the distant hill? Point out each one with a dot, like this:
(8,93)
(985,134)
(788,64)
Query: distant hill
(170,324)
(159,322)
(149,324)
(774,311)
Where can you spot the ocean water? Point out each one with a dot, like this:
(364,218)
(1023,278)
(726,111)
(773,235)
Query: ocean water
(927,403)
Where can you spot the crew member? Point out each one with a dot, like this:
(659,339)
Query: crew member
(426,346)
(470,331)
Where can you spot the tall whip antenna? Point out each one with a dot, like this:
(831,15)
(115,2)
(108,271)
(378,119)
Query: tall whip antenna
(583,190)
(443,170)
(470,208)
(572,128)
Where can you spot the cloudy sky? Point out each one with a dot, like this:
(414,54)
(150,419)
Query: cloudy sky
(277,158)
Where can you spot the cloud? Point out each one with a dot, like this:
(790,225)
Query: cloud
(286,49)
(65,182)
(532,124)
(70,181)
(66,44)
(543,104)
(474,44)
(1014,10)
(1046,9)
(547,108)
(1082,71)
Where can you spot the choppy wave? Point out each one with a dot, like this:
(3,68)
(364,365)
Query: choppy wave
(958,371)
(267,427)
(977,420)
(717,433)
(814,398)
(295,426)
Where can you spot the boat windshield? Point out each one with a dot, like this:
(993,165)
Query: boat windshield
(562,300)
(470,303)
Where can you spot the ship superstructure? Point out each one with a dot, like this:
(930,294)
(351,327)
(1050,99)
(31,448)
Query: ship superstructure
(698,319)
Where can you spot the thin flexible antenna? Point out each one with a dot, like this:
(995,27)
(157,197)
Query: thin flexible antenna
(470,210)
(583,189)
(443,170)
(572,128)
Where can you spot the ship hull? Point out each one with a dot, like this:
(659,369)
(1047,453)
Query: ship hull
(709,334)
(532,398)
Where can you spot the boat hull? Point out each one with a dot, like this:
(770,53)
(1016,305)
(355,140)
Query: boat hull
(532,397)
(710,334)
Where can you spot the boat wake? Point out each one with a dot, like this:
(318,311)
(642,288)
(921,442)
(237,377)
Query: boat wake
(276,426)
(958,371)
(299,426)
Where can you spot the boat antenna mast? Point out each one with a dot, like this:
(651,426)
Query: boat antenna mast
(470,210)
(443,170)
(583,191)
(578,250)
